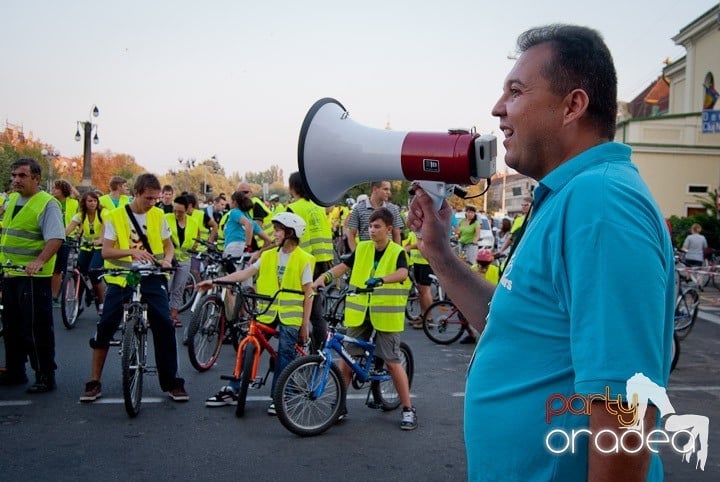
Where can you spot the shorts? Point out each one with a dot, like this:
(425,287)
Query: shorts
(387,345)
(422,274)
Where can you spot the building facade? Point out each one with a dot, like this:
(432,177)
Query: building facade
(677,160)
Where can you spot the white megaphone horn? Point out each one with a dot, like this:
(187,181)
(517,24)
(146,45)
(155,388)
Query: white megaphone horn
(336,153)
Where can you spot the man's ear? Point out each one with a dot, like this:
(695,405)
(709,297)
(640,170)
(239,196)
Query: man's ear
(575,106)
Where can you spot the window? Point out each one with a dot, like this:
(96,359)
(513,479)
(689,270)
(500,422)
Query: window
(517,191)
(698,189)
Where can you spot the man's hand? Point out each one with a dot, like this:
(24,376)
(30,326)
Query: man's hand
(166,263)
(432,227)
(204,285)
(142,255)
(33,267)
(304,334)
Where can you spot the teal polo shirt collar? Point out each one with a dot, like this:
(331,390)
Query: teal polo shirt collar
(556,179)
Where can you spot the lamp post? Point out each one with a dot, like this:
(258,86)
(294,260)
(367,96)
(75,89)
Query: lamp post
(49,158)
(87,128)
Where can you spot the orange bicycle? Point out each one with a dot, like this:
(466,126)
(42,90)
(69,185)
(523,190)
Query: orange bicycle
(251,347)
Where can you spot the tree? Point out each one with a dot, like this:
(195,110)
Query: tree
(270,176)
(108,164)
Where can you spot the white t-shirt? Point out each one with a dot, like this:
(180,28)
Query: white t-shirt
(135,242)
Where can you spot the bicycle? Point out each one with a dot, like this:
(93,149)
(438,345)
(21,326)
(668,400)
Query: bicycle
(133,345)
(72,288)
(310,393)
(444,323)
(251,347)
(686,311)
(413,311)
(210,325)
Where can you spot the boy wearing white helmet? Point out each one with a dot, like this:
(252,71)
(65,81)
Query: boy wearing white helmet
(287,267)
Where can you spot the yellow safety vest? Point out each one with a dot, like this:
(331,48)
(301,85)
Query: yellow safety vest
(288,306)
(120,221)
(71,209)
(386,302)
(221,231)
(199,216)
(107,203)
(22,241)
(415,256)
(317,239)
(90,235)
(191,232)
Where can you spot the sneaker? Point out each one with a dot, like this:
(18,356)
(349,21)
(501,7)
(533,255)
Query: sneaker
(93,391)
(226,396)
(100,309)
(271,409)
(8,379)
(343,415)
(43,384)
(179,394)
(409,419)
(468,340)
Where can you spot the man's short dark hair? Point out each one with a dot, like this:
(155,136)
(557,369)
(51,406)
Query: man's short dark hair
(181,200)
(580,60)
(192,199)
(167,188)
(117,181)
(35,168)
(383,214)
(296,184)
(64,186)
(144,182)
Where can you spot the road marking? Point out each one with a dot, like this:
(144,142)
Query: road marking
(14,403)
(457,394)
(120,400)
(705,314)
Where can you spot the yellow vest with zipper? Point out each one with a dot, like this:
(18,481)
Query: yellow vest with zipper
(120,221)
(191,232)
(91,233)
(317,238)
(387,302)
(287,306)
(22,241)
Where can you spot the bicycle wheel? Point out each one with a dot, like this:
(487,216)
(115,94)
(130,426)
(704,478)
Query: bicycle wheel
(412,307)
(298,409)
(206,332)
(248,360)
(69,302)
(133,365)
(686,308)
(675,352)
(188,294)
(443,323)
(384,393)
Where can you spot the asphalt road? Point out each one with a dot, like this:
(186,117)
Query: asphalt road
(54,437)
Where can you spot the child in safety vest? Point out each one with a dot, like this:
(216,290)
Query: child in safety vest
(288,267)
(381,264)
(491,273)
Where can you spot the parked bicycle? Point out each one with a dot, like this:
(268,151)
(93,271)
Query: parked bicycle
(74,287)
(413,313)
(311,391)
(133,347)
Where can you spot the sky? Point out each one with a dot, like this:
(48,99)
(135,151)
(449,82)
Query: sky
(234,79)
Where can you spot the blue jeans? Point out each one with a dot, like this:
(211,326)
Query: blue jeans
(154,293)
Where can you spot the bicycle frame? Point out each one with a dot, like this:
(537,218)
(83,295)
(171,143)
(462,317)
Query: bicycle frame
(255,336)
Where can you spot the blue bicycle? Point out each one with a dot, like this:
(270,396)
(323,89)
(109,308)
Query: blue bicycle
(310,393)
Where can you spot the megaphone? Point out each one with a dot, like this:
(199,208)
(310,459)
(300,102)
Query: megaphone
(336,153)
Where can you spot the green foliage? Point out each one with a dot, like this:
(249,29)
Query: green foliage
(710,229)
(271,175)
(709,202)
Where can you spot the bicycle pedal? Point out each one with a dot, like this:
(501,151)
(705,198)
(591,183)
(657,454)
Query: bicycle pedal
(374,405)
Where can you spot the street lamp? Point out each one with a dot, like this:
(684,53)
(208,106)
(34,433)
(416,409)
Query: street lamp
(87,128)
(49,159)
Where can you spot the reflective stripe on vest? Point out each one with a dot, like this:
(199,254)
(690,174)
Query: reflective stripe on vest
(120,221)
(191,232)
(22,241)
(386,302)
(288,306)
(317,239)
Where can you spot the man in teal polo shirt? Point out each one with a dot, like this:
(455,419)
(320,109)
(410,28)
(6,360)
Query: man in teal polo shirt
(562,324)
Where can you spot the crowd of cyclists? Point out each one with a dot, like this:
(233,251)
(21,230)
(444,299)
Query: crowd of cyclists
(296,245)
